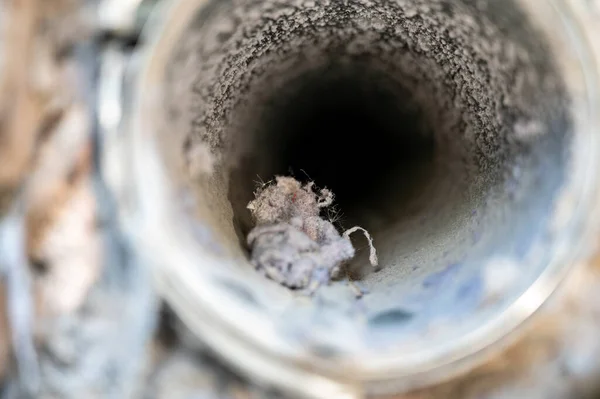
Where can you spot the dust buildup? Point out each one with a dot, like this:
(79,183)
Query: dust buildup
(273,85)
(288,199)
(291,243)
(473,78)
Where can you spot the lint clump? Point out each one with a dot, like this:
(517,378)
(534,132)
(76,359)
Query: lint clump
(291,243)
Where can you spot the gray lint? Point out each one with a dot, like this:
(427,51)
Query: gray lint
(291,243)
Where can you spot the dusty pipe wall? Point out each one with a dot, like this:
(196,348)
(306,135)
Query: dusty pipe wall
(441,127)
(446,128)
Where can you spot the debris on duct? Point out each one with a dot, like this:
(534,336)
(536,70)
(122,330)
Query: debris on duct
(291,243)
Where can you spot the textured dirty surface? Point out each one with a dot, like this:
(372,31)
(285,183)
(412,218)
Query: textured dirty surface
(446,104)
(94,310)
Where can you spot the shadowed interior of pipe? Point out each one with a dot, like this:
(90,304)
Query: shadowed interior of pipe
(344,128)
(441,126)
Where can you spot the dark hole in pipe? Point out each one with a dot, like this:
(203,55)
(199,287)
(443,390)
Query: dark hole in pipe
(364,135)
(438,125)
(353,136)
(347,128)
